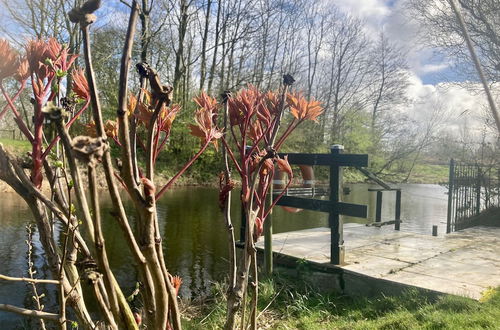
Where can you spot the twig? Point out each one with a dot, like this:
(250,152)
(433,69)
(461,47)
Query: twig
(30,312)
(27,279)
(270,303)
(186,166)
(36,297)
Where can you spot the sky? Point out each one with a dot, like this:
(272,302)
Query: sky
(433,82)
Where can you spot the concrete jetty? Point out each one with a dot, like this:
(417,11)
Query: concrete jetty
(464,263)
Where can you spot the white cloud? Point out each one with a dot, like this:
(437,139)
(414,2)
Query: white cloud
(432,68)
(458,105)
(373,12)
(365,9)
(462,107)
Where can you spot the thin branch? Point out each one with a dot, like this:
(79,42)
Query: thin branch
(30,312)
(75,174)
(186,166)
(26,279)
(13,99)
(124,134)
(19,121)
(68,125)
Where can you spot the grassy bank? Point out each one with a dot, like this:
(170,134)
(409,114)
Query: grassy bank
(205,170)
(284,305)
(422,173)
(17,147)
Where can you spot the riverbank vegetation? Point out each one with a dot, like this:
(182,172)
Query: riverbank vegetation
(287,304)
(205,171)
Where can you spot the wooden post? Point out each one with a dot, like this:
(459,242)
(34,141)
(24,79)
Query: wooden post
(243,226)
(378,210)
(451,179)
(334,218)
(434,230)
(268,236)
(397,223)
(243,215)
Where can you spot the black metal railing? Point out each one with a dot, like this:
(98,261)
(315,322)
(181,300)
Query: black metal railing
(397,208)
(472,188)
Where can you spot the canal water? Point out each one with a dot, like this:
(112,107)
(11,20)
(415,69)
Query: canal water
(194,235)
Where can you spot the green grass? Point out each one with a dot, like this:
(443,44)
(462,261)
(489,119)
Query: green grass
(422,173)
(426,173)
(17,147)
(293,307)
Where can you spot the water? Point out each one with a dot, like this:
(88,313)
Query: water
(194,236)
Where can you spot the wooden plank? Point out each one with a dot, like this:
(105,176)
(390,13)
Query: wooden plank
(383,189)
(305,203)
(374,178)
(357,160)
(327,159)
(352,210)
(308,159)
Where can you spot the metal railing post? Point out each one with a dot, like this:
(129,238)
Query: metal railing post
(335,220)
(397,212)
(451,179)
(378,210)
(478,190)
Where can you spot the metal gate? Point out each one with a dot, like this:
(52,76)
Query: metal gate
(472,188)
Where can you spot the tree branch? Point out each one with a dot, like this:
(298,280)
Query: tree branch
(26,279)
(30,312)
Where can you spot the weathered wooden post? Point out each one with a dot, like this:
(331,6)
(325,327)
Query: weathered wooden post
(434,230)
(243,215)
(397,212)
(451,179)
(378,210)
(337,251)
(243,224)
(268,236)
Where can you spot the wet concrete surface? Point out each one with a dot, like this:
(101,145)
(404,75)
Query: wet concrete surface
(463,263)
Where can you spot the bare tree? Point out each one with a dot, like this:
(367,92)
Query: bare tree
(390,78)
(346,67)
(440,28)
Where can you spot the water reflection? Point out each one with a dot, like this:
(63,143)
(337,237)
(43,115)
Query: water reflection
(194,234)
